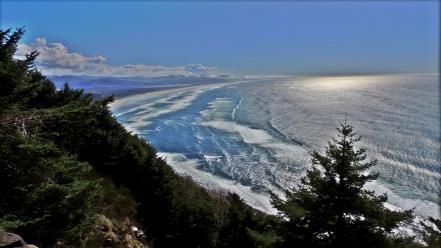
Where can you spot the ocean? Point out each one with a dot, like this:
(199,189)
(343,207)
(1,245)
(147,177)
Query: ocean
(252,136)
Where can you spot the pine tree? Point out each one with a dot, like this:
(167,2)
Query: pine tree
(331,208)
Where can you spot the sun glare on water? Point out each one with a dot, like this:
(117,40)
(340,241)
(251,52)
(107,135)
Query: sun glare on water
(341,82)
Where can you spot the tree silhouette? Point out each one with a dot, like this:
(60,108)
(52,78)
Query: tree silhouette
(331,208)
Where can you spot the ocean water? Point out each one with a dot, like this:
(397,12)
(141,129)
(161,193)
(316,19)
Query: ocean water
(253,136)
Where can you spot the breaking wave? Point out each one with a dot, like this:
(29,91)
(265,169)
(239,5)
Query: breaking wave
(253,137)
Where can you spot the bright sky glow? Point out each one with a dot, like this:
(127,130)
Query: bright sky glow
(245,37)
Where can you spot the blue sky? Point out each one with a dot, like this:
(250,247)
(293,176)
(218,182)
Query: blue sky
(290,38)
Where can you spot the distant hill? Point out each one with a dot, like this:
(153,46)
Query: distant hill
(122,86)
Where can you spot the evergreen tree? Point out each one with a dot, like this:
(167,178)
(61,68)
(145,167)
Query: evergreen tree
(331,208)
(46,193)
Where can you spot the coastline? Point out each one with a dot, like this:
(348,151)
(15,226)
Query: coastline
(120,100)
(123,99)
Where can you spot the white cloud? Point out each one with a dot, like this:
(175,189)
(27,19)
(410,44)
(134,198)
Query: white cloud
(56,59)
(56,54)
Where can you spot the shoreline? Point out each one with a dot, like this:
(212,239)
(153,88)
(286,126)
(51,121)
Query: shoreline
(124,99)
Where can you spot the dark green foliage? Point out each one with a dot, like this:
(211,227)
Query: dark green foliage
(331,208)
(115,202)
(47,194)
(44,188)
(238,232)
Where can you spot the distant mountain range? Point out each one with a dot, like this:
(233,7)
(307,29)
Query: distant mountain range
(122,86)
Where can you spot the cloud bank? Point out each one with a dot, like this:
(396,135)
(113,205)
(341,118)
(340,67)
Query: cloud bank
(56,59)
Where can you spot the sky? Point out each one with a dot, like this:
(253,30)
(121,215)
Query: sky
(243,38)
